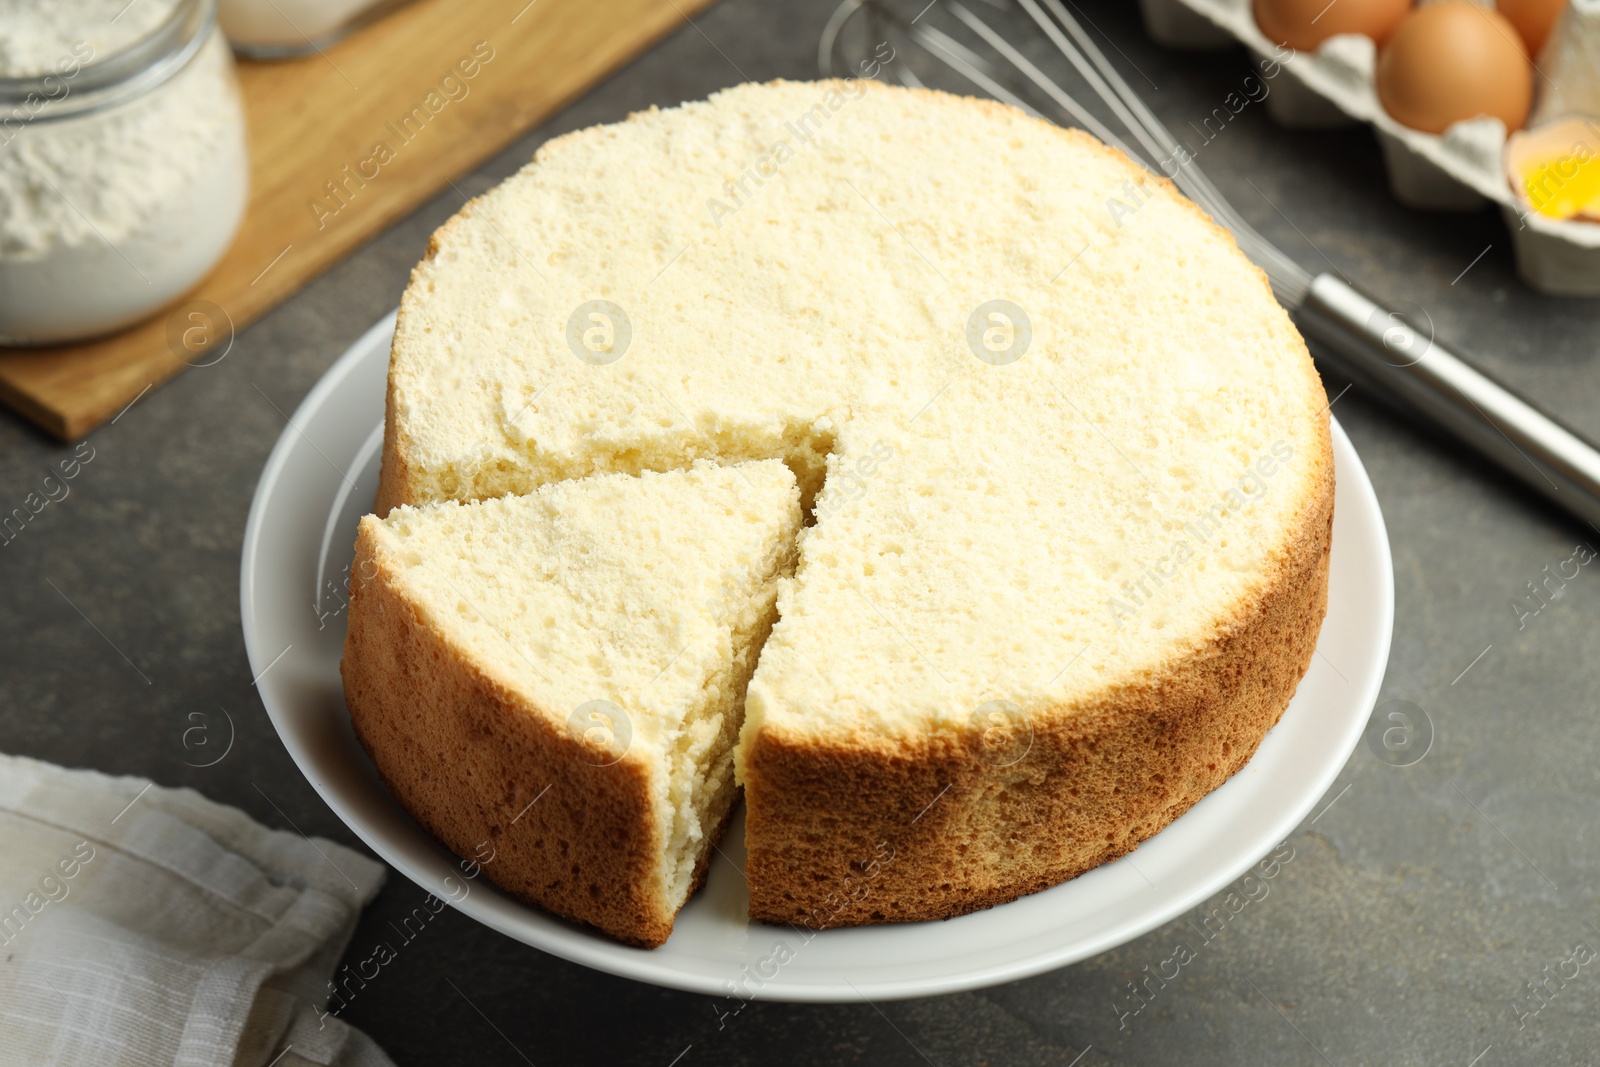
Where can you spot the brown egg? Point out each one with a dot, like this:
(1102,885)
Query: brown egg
(1304,24)
(1534,19)
(1451,61)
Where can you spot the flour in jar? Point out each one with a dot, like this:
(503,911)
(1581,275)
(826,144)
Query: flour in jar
(34,34)
(109,213)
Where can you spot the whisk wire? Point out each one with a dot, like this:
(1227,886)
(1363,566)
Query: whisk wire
(1084,118)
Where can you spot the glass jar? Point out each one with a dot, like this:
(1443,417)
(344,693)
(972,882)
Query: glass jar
(123,172)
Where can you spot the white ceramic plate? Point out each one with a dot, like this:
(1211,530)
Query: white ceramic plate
(320,479)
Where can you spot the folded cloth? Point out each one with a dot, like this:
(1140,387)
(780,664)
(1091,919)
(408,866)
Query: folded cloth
(143,925)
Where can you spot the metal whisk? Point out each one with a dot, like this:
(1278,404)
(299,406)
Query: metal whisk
(1005,54)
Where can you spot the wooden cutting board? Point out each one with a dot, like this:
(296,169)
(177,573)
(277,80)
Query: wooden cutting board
(311,118)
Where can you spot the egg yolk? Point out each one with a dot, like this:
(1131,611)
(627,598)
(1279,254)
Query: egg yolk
(1563,187)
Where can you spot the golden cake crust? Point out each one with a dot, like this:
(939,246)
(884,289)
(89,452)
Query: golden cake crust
(466,756)
(865,832)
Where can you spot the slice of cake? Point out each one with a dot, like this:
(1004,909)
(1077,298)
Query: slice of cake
(559,678)
(1070,464)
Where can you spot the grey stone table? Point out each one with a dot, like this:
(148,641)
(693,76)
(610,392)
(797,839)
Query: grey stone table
(1418,904)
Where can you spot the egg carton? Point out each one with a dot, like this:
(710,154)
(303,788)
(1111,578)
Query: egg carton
(1460,170)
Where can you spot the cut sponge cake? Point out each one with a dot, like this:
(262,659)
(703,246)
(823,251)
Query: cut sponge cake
(559,678)
(1070,463)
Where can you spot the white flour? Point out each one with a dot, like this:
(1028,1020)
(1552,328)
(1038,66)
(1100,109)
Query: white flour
(105,216)
(36,33)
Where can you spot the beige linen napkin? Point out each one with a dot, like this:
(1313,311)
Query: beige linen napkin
(143,925)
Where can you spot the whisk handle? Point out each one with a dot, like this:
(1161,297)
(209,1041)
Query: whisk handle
(1383,351)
